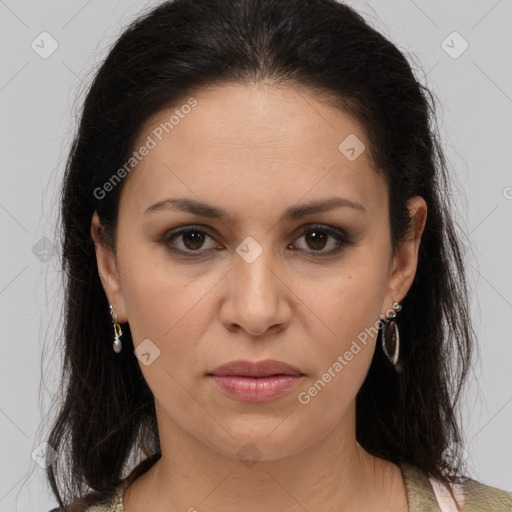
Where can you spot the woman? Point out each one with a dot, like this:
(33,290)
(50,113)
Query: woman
(266,306)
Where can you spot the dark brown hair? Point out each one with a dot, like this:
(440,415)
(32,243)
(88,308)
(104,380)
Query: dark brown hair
(107,417)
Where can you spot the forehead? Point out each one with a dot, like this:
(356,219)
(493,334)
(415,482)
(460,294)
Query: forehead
(253,139)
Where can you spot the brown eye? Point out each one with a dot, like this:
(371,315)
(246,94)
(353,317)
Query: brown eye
(319,237)
(189,240)
(193,239)
(316,239)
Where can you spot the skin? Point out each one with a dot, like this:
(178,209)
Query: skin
(255,150)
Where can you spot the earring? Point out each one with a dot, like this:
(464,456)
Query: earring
(117,345)
(391,338)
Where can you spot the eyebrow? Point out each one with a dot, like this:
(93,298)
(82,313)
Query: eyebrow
(293,213)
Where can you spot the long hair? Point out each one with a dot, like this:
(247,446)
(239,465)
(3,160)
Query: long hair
(107,416)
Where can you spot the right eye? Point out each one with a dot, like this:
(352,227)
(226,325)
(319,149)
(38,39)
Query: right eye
(190,240)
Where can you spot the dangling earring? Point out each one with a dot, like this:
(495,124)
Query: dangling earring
(391,338)
(117,345)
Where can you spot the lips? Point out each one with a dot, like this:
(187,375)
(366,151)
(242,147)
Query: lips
(266,368)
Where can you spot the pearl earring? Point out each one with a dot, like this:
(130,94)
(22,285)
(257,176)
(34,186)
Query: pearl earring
(117,345)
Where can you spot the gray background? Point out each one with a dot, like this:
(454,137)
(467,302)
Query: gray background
(38,102)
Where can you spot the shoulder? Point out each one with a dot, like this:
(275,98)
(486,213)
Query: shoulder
(428,494)
(95,502)
(481,497)
(106,507)
(103,507)
(472,496)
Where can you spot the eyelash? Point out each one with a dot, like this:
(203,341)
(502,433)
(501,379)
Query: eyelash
(339,235)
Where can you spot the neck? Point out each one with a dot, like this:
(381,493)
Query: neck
(335,473)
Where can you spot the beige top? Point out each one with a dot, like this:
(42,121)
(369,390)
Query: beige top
(424,495)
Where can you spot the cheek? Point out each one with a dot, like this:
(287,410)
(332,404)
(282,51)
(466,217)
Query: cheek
(347,348)
(343,353)
(169,306)
(170,310)
(160,297)
(350,301)
(349,307)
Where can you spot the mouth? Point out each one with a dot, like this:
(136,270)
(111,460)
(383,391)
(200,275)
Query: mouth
(256,376)
(265,368)
(255,389)
(260,381)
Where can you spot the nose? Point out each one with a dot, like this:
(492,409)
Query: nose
(256,295)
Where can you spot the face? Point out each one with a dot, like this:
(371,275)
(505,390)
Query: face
(269,279)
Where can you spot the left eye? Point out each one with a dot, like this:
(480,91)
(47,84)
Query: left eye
(316,237)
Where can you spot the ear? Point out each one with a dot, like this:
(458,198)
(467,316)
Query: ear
(405,262)
(108,270)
